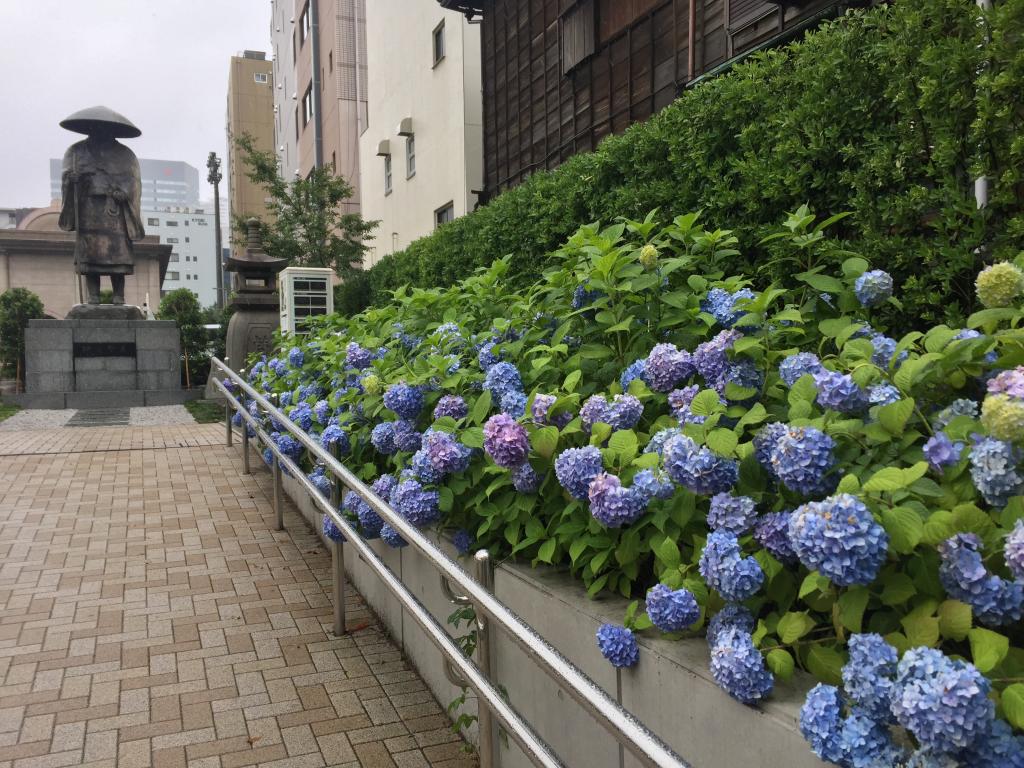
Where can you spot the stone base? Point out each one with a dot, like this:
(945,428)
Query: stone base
(135,398)
(251,332)
(105,312)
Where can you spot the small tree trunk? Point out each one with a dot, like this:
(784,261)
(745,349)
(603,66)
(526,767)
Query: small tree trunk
(188,379)
(18,385)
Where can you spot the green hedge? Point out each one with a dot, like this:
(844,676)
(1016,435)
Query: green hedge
(882,113)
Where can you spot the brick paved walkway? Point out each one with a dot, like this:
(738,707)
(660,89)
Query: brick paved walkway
(150,616)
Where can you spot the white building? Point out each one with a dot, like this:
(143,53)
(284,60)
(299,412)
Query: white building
(164,182)
(192,235)
(421,152)
(286,132)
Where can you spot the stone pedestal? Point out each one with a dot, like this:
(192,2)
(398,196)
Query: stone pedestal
(251,329)
(102,364)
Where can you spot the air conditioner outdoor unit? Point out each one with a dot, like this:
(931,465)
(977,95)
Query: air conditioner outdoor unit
(305,292)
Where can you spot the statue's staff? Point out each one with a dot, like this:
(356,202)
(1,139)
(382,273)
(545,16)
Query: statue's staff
(74,189)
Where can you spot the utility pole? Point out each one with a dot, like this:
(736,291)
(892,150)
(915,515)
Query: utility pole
(214,176)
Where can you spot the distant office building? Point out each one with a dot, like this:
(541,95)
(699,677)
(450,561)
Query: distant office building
(320,87)
(422,156)
(250,109)
(9,218)
(191,233)
(164,182)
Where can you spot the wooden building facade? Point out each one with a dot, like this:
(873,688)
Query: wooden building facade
(560,75)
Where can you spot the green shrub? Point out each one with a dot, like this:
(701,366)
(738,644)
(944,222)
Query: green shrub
(17,307)
(881,113)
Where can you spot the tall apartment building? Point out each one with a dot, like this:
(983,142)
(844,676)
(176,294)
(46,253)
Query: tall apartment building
(192,235)
(164,182)
(250,109)
(320,86)
(421,155)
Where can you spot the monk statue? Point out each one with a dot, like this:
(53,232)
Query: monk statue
(102,199)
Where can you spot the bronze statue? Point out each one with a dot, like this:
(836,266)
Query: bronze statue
(102,199)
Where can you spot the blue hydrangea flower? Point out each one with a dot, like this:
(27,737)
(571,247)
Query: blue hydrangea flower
(525,478)
(884,351)
(672,610)
(322,411)
(236,420)
(1013,551)
(624,412)
(284,399)
(840,538)
(868,675)
(415,503)
(422,469)
(764,445)
(295,357)
(612,505)
(883,394)
(257,369)
(653,484)
(463,541)
(390,537)
(821,722)
(666,366)
(357,357)
(721,304)
(941,452)
(839,392)
(318,477)
(772,532)
(383,438)
(995,601)
(725,569)
(873,288)
(732,616)
(514,404)
(711,358)
(331,531)
(698,469)
(959,407)
(741,373)
(994,470)
(268,457)
(486,357)
(505,440)
(999,748)
(288,445)
(795,366)
(657,442)
(738,667)
(618,645)
(802,458)
(404,400)
(278,367)
(735,514)
(335,435)
(866,743)
(635,370)
(575,468)
(451,405)
(407,438)
(502,378)
(582,297)
(302,415)
(942,702)
(540,410)
(679,401)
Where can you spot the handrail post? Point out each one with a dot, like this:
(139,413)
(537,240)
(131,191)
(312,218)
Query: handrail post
(336,484)
(245,450)
(338,563)
(278,501)
(485,718)
(228,432)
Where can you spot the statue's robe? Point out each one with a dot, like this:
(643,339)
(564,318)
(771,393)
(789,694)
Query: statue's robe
(106,228)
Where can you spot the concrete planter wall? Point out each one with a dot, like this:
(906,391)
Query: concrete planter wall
(671,690)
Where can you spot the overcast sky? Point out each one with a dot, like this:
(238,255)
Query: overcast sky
(163,64)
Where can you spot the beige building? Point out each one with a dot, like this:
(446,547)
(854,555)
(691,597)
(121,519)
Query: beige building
(39,256)
(421,153)
(250,109)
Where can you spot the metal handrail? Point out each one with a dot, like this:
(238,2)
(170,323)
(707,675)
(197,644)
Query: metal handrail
(647,747)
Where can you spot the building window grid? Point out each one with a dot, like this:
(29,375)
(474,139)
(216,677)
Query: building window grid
(387,174)
(260,77)
(410,157)
(307,106)
(438,38)
(444,214)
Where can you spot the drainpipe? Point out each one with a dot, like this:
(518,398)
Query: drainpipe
(981,184)
(691,53)
(318,133)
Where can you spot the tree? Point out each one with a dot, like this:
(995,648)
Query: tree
(182,306)
(306,225)
(17,307)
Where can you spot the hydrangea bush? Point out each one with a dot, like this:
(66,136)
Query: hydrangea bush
(764,467)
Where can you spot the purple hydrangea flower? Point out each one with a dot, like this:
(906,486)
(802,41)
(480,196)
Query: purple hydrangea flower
(506,441)
(653,484)
(447,455)
(698,469)
(625,412)
(451,405)
(357,357)
(612,505)
(575,468)
(839,392)
(383,438)
(618,645)
(636,370)
(840,538)
(994,470)
(802,459)
(407,438)
(672,610)
(772,532)
(995,601)
(679,401)
(725,569)
(942,702)
(390,537)
(422,469)
(594,411)
(525,478)
(738,667)
(666,366)
(873,288)
(416,504)
(1009,383)
(404,400)
(941,452)
(711,358)
(502,378)
(732,616)
(795,366)
(463,541)
(735,514)
(1013,551)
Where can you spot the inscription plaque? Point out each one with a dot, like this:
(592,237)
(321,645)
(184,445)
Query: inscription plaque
(104,349)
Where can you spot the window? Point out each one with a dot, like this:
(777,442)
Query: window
(152,222)
(260,77)
(172,240)
(171,276)
(307,106)
(174,257)
(444,214)
(186,239)
(410,157)
(438,43)
(171,223)
(304,24)
(334,161)
(387,174)
(296,123)
(330,61)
